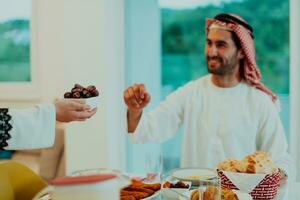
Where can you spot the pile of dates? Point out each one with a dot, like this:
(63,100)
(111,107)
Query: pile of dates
(178,184)
(79,91)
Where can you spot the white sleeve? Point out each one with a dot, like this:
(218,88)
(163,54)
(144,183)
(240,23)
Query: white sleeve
(271,138)
(162,123)
(32,128)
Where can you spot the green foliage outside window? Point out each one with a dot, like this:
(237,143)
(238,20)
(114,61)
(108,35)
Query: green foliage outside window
(15,51)
(183,41)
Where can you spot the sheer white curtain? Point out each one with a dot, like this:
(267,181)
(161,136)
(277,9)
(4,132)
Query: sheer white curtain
(295,83)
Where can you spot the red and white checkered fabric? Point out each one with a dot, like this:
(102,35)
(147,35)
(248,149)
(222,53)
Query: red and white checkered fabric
(266,189)
(251,71)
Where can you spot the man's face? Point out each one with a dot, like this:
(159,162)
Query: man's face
(222,56)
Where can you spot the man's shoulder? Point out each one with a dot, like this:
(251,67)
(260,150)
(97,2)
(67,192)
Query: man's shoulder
(257,95)
(256,92)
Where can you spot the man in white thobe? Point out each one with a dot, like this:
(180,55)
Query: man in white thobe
(226,114)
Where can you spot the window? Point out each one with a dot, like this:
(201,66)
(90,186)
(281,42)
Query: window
(19,78)
(15,41)
(183,42)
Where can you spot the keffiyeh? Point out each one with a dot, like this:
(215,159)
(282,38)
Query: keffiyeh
(244,33)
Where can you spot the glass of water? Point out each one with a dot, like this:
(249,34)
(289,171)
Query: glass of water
(209,189)
(154,167)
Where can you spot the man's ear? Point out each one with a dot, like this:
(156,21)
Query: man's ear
(241,54)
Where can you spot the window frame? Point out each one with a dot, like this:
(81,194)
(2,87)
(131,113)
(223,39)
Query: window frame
(26,90)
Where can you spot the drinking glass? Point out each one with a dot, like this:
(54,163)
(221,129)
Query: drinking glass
(154,167)
(209,189)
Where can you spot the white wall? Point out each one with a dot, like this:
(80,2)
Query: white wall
(82,42)
(94,48)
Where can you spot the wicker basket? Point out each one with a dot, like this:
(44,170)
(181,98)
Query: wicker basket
(266,189)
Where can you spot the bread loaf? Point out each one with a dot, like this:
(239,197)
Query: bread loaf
(228,165)
(258,162)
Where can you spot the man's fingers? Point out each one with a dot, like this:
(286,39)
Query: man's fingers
(142,90)
(132,97)
(131,92)
(130,101)
(136,90)
(134,103)
(127,97)
(147,98)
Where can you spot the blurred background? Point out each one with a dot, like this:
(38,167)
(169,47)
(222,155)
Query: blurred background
(47,46)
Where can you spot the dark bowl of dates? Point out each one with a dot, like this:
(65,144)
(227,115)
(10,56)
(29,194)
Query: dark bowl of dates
(90,95)
(172,190)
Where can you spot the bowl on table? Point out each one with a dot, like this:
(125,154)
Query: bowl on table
(174,189)
(193,175)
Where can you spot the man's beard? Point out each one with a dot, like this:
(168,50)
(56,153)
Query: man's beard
(224,68)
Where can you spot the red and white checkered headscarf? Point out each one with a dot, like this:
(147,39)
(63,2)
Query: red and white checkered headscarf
(251,71)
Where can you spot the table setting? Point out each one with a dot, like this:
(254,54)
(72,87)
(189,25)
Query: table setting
(226,182)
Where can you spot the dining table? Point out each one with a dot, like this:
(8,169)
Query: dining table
(290,191)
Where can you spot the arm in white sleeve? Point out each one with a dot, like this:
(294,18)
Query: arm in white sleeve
(162,122)
(31,128)
(271,138)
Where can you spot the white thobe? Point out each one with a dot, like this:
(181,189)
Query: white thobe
(218,124)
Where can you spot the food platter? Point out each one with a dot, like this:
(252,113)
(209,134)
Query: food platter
(140,190)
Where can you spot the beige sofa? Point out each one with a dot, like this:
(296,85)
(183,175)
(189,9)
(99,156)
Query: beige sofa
(49,163)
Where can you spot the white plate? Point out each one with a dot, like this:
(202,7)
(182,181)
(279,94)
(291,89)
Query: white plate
(192,174)
(45,194)
(153,195)
(95,171)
